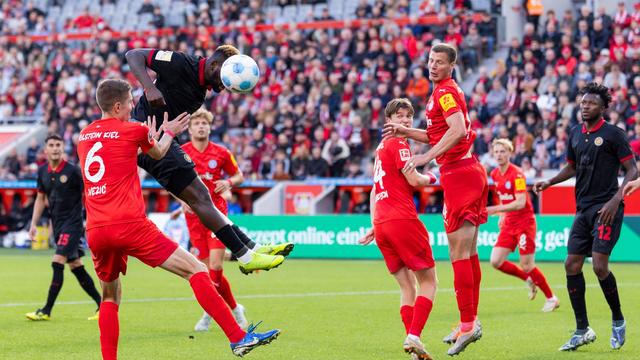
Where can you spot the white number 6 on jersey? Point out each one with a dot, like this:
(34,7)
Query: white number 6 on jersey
(93,158)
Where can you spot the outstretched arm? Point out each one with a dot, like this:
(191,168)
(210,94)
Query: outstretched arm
(138,62)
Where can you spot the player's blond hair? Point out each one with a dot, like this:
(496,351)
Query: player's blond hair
(506,143)
(226,51)
(202,113)
(396,104)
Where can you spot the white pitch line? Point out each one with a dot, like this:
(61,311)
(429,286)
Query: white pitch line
(299,295)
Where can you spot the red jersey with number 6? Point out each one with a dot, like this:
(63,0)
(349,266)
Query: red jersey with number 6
(447,99)
(210,164)
(507,186)
(394,195)
(108,150)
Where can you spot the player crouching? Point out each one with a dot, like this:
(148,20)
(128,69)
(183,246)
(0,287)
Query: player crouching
(517,225)
(407,253)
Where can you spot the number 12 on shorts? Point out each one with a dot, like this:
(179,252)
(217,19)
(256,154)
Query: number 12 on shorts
(604,232)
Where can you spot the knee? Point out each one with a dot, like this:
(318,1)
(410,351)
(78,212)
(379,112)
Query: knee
(601,270)
(496,263)
(75,264)
(572,267)
(198,267)
(527,267)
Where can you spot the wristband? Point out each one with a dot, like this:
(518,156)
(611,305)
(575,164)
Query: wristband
(169,132)
(230,182)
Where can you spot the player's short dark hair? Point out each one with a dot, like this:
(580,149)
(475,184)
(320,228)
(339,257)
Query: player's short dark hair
(111,91)
(396,104)
(452,53)
(597,89)
(223,52)
(53,136)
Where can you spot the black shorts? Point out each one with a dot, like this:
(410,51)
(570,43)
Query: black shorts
(69,243)
(588,236)
(175,171)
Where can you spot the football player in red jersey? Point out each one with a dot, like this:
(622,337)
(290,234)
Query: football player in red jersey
(211,160)
(464,182)
(117,226)
(517,226)
(407,254)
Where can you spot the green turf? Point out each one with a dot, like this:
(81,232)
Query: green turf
(317,305)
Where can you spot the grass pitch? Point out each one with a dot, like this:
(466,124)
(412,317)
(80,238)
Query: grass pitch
(326,310)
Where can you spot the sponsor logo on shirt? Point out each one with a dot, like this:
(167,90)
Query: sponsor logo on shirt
(447,102)
(164,55)
(505,197)
(382,195)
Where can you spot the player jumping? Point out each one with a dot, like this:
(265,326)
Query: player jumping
(60,183)
(211,161)
(407,254)
(517,226)
(594,153)
(181,86)
(464,182)
(117,226)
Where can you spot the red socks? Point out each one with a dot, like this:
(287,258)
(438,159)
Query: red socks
(214,305)
(463,283)
(540,281)
(223,287)
(406,313)
(109,330)
(477,278)
(421,311)
(510,268)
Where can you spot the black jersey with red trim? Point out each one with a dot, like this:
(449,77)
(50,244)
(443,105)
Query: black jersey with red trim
(180,79)
(63,187)
(597,156)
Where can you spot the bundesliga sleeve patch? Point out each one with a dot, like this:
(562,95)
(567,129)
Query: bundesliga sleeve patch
(521,184)
(447,102)
(405,154)
(164,55)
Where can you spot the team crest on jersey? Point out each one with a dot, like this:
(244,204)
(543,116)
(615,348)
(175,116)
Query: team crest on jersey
(507,185)
(447,102)
(195,251)
(187,158)
(213,164)
(598,141)
(405,154)
(63,178)
(164,55)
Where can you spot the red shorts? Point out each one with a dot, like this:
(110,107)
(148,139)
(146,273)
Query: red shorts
(202,239)
(522,235)
(404,243)
(466,190)
(111,245)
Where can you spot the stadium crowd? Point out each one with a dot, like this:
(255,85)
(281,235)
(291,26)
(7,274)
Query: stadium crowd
(319,107)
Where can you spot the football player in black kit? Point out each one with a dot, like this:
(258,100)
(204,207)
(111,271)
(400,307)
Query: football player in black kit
(595,152)
(60,183)
(181,86)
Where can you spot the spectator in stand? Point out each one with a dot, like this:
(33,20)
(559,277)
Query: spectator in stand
(318,166)
(336,152)
(146,7)
(496,98)
(158,19)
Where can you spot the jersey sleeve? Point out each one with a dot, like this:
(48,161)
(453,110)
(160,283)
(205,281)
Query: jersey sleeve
(39,182)
(622,147)
(571,154)
(230,165)
(167,64)
(519,182)
(143,137)
(400,153)
(448,101)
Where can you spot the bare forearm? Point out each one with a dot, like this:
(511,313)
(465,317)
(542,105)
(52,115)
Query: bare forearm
(38,209)
(632,174)
(137,62)
(372,203)
(418,135)
(566,173)
(236,179)
(449,140)
(162,146)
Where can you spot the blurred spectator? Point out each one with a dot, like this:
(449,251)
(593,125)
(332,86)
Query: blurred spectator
(434,204)
(233,206)
(146,7)
(318,166)
(158,19)
(335,152)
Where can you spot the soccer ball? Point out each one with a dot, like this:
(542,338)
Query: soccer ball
(240,74)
